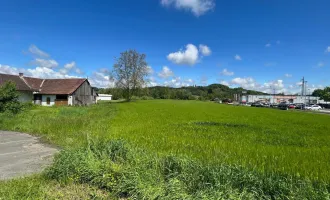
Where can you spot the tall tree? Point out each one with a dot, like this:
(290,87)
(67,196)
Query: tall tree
(318,93)
(326,94)
(129,72)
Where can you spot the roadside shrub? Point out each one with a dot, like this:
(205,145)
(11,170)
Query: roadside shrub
(146,98)
(192,97)
(9,98)
(135,98)
(28,105)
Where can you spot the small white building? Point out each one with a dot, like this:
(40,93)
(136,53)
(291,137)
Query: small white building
(104,97)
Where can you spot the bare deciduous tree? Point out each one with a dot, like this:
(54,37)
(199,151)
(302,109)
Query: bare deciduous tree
(129,72)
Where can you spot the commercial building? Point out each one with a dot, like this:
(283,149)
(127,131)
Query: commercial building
(281,98)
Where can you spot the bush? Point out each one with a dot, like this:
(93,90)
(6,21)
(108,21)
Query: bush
(146,98)
(135,98)
(9,98)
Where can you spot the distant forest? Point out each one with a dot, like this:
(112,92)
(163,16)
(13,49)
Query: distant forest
(210,92)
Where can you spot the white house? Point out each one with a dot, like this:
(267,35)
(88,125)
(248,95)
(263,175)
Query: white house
(104,97)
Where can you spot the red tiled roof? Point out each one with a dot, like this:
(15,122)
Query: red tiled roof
(20,84)
(43,86)
(60,86)
(33,82)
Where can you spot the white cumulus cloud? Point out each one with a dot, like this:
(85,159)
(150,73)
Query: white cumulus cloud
(197,7)
(101,79)
(70,65)
(165,73)
(178,82)
(150,70)
(38,72)
(205,50)
(151,82)
(34,50)
(250,83)
(225,72)
(189,56)
(44,63)
(327,50)
(288,75)
(237,57)
(244,82)
(224,83)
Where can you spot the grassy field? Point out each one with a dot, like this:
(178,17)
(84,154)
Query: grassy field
(268,144)
(266,139)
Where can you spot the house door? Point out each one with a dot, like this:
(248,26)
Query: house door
(37,99)
(48,100)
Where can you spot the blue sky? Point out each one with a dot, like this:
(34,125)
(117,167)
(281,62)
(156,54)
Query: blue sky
(254,44)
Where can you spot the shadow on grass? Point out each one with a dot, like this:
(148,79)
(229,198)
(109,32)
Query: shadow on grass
(210,123)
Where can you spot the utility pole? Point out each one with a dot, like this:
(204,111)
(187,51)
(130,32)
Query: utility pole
(303,89)
(273,89)
(302,86)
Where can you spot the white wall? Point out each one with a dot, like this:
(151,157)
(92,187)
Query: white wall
(25,96)
(44,100)
(104,97)
(70,100)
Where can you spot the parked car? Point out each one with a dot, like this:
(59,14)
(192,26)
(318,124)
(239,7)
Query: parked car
(274,105)
(292,106)
(267,105)
(313,107)
(257,104)
(300,106)
(283,106)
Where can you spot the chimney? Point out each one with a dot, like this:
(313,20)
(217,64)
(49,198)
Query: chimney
(20,74)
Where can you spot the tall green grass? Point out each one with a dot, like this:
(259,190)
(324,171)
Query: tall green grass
(267,140)
(216,151)
(127,171)
(40,187)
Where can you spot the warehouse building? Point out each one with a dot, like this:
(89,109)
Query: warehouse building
(296,99)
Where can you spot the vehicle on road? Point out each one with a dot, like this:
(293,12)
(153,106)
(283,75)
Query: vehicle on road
(283,106)
(274,105)
(257,104)
(300,106)
(292,106)
(313,107)
(267,105)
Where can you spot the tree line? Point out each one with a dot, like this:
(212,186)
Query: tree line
(210,92)
(323,93)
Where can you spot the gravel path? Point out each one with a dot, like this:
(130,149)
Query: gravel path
(22,154)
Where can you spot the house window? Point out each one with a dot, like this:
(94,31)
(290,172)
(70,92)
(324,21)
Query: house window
(48,100)
(61,97)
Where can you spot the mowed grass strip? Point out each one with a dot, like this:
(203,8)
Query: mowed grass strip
(266,140)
